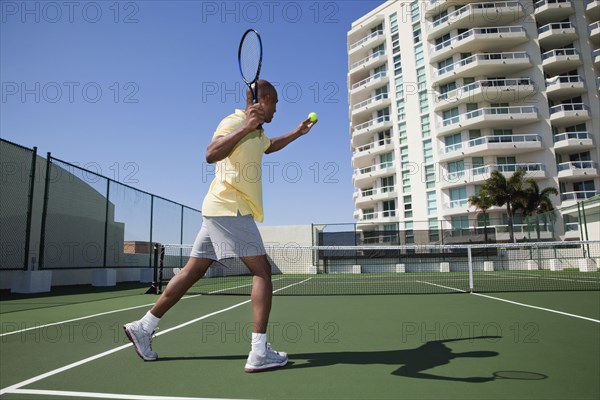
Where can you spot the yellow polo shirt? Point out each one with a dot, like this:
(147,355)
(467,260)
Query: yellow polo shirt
(237,186)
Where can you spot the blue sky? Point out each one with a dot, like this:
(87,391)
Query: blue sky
(134,91)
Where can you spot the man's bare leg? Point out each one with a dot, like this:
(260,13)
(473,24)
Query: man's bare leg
(194,269)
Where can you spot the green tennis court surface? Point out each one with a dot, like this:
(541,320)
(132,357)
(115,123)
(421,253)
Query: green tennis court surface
(508,345)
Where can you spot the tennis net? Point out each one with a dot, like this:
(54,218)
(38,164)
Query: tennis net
(355,270)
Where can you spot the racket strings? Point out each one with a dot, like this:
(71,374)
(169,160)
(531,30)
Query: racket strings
(250,57)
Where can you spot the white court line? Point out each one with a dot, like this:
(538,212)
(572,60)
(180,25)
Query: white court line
(111,312)
(63,393)
(29,381)
(442,286)
(516,303)
(537,308)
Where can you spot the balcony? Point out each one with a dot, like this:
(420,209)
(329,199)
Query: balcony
(483,64)
(374,125)
(367,106)
(480,39)
(596,58)
(561,60)
(433,7)
(367,42)
(492,145)
(558,34)
(523,231)
(476,15)
(366,152)
(595,33)
(577,170)
(487,118)
(569,114)
(569,198)
(364,198)
(375,80)
(369,174)
(478,175)
(592,10)
(368,62)
(378,216)
(552,10)
(573,141)
(564,87)
(488,90)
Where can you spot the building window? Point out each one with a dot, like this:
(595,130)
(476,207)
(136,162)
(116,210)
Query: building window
(431,203)
(427,151)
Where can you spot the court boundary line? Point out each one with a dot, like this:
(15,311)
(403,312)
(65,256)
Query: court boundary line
(11,388)
(98,395)
(515,302)
(112,312)
(537,307)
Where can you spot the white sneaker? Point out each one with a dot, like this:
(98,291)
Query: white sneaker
(272,359)
(142,340)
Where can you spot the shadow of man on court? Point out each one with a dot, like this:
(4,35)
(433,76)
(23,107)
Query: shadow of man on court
(413,362)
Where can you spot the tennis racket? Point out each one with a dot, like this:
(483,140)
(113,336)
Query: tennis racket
(250,60)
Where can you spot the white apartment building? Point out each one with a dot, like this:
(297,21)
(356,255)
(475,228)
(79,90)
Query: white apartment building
(443,92)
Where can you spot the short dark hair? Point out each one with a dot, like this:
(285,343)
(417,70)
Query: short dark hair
(264,88)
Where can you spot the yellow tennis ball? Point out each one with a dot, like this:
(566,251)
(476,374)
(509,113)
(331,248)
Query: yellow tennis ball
(313,117)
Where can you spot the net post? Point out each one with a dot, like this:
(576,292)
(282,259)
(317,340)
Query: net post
(470,269)
(154,288)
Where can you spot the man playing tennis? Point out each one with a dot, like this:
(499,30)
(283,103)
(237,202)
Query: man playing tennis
(229,212)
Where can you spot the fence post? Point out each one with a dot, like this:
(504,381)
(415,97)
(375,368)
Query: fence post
(45,211)
(29,208)
(151,224)
(106,220)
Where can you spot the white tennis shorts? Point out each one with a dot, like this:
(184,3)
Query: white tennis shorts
(227,237)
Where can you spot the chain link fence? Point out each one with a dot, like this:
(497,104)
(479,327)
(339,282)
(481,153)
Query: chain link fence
(56,215)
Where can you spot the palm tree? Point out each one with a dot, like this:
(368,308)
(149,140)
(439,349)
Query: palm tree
(507,192)
(482,201)
(537,202)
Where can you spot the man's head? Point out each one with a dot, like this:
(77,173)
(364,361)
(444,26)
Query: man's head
(267,97)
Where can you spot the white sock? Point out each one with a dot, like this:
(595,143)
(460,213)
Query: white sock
(259,343)
(149,322)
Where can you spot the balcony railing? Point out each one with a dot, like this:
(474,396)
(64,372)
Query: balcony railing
(369,101)
(541,3)
(367,59)
(372,145)
(471,7)
(457,203)
(479,31)
(366,39)
(579,195)
(569,107)
(489,111)
(378,214)
(572,135)
(369,79)
(576,165)
(595,53)
(378,120)
(560,52)
(486,83)
(376,191)
(492,139)
(483,57)
(486,169)
(373,168)
(564,79)
(555,26)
